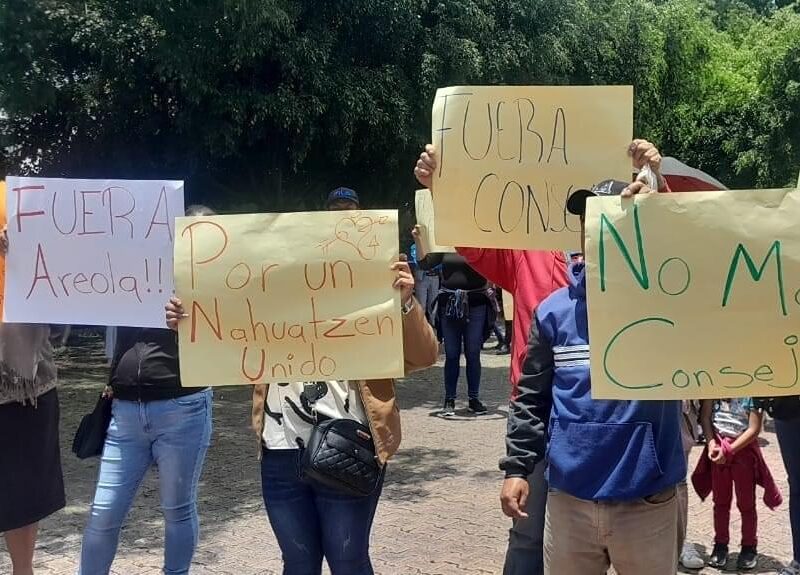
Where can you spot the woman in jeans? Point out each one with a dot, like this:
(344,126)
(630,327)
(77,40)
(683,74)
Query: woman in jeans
(310,521)
(465,317)
(154,421)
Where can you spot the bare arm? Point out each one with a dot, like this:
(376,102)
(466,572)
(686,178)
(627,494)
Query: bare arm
(751,433)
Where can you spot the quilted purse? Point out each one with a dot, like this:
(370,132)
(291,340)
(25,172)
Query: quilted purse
(340,454)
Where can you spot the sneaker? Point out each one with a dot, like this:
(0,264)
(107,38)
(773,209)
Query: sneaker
(719,556)
(502,350)
(748,558)
(690,558)
(476,407)
(792,569)
(449,409)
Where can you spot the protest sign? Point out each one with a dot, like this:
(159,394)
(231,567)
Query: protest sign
(91,252)
(508,306)
(288,297)
(423,206)
(3,261)
(509,156)
(694,295)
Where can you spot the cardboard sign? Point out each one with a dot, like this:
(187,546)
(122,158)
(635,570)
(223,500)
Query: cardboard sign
(694,295)
(509,156)
(91,252)
(288,297)
(2,260)
(423,206)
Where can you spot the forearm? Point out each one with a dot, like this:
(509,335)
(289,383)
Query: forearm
(422,253)
(745,439)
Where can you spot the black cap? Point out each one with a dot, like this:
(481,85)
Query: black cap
(343,194)
(576,204)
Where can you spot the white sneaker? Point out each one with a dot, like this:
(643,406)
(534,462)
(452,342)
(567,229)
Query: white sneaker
(792,569)
(690,558)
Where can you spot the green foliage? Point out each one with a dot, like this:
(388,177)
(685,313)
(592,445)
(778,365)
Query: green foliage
(267,104)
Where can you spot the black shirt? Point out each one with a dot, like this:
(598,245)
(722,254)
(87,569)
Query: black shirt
(145,365)
(457,274)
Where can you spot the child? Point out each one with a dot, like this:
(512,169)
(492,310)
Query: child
(613,466)
(733,461)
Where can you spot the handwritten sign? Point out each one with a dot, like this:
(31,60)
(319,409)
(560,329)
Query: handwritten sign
(96,252)
(508,306)
(694,295)
(423,205)
(2,261)
(288,297)
(509,156)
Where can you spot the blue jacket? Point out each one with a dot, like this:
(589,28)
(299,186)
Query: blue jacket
(595,449)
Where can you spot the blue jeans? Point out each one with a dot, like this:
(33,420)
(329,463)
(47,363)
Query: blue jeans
(311,522)
(173,434)
(788,431)
(469,334)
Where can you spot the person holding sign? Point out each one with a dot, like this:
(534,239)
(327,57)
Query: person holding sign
(31,480)
(311,519)
(613,466)
(529,276)
(155,421)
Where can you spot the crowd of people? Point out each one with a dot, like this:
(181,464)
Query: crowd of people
(588,483)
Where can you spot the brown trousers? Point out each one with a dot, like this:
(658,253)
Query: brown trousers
(585,537)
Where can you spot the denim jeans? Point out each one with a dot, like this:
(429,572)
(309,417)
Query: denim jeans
(311,522)
(788,431)
(173,434)
(470,335)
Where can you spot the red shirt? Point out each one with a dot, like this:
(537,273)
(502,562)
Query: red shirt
(529,276)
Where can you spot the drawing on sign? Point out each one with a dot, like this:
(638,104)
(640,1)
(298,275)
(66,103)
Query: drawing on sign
(703,287)
(359,232)
(103,246)
(319,306)
(508,158)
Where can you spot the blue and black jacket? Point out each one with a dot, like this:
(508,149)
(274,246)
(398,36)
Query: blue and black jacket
(597,450)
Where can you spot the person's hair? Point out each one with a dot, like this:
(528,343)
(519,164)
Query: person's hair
(199,210)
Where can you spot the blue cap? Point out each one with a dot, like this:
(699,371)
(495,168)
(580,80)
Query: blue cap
(343,194)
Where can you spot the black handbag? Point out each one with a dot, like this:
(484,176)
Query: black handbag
(91,434)
(340,454)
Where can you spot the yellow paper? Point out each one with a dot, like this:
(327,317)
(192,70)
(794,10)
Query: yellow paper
(288,297)
(3,260)
(508,157)
(423,205)
(706,304)
(508,306)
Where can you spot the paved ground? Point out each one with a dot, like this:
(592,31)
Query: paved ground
(439,513)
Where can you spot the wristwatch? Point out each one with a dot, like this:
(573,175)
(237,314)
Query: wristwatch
(408,306)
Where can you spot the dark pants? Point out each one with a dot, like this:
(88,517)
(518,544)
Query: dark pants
(311,522)
(525,554)
(788,431)
(469,336)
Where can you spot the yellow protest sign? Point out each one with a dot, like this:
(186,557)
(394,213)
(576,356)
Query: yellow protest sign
(423,206)
(694,295)
(508,306)
(288,297)
(509,156)
(3,261)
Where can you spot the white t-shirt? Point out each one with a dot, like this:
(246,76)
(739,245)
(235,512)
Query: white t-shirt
(289,409)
